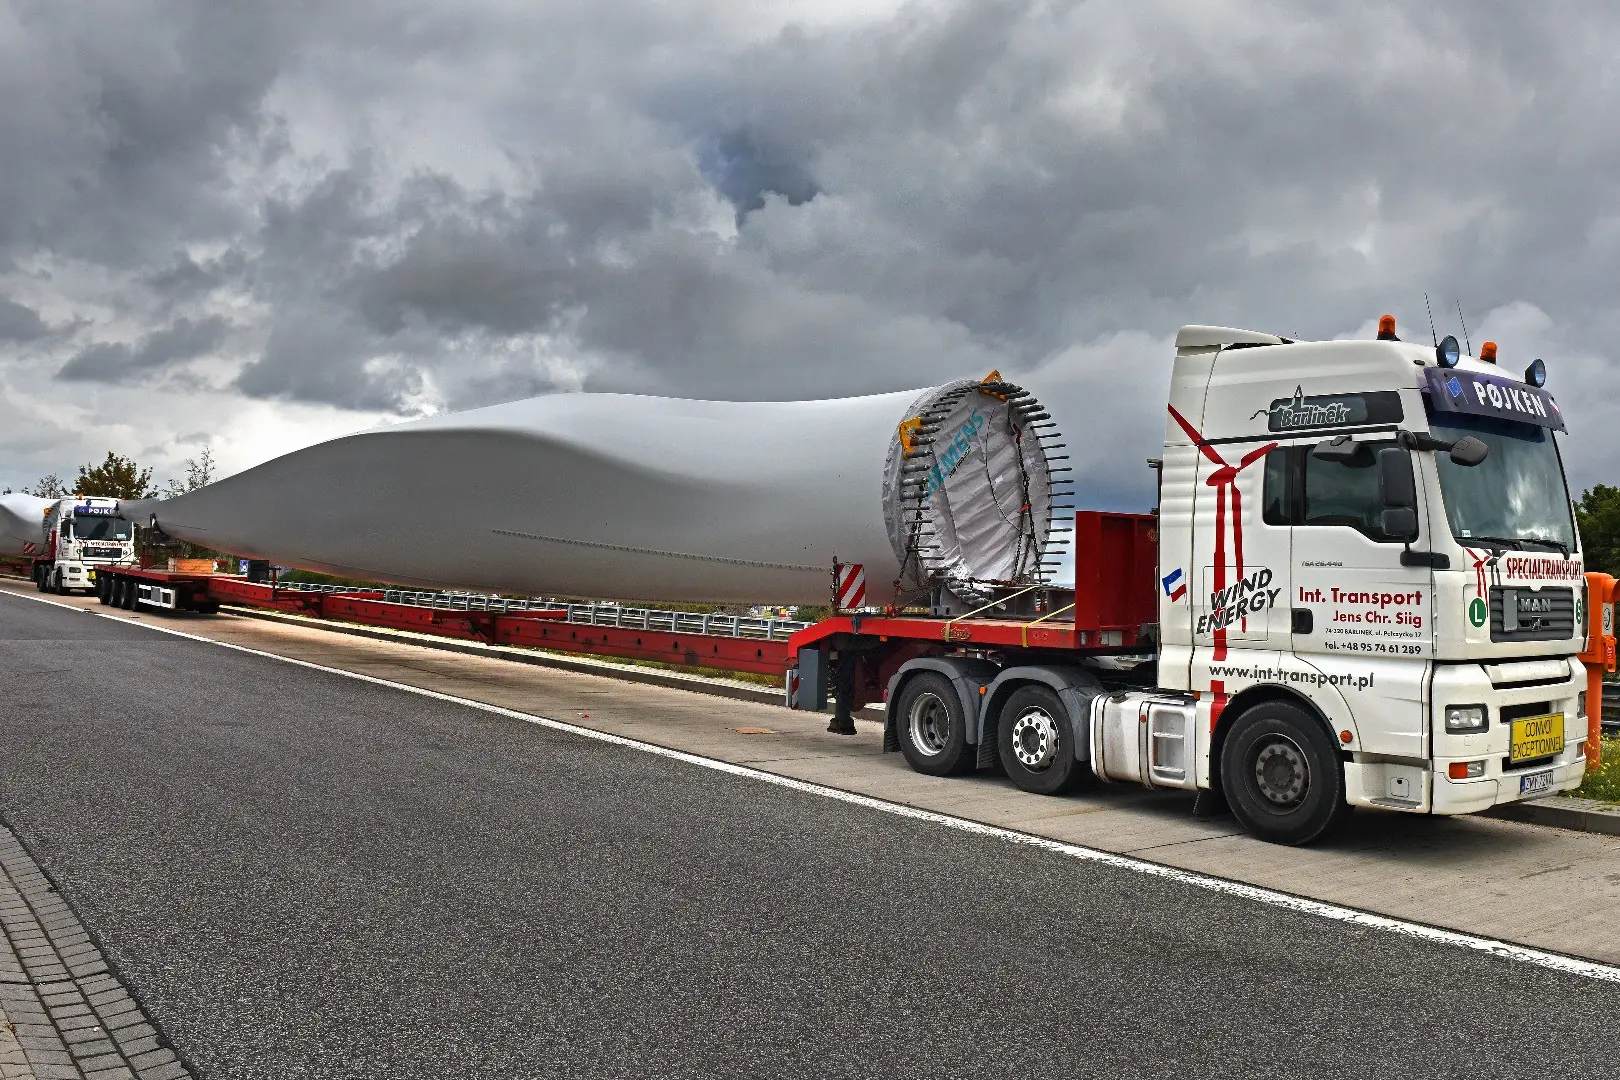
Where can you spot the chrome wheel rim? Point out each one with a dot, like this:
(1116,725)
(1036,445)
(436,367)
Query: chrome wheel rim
(930,724)
(1281,773)
(1035,739)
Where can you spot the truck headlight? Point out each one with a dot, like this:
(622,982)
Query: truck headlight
(1465,719)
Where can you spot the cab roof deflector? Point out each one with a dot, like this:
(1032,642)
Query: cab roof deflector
(1205,337)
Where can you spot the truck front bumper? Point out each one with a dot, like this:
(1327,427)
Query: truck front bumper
(1502,781)
(1416,786)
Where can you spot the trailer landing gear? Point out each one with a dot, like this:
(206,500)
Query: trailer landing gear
(843,673)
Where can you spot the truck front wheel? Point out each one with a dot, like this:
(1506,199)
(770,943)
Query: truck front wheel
(932,726)
(1281,775)
(1036,742)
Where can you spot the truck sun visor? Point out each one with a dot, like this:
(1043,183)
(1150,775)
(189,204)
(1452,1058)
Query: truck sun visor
(1454,391)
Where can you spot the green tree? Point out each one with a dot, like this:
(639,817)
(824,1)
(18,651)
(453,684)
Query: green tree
(116,478)
(199,473)
(49,486)
(1598,513)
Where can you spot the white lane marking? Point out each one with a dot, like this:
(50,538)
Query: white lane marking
(1505,950)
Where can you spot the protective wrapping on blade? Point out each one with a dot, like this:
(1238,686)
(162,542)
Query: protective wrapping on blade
(22,523)
(968,486)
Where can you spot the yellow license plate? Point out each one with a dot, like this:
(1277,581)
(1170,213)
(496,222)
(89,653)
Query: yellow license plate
(1536,737)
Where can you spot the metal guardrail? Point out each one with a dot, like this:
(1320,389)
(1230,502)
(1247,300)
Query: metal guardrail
(683,622)
(605,614)
(459,601)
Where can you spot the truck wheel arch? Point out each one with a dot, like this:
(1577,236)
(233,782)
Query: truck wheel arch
(1075,688)
(1247,699)
(966,673)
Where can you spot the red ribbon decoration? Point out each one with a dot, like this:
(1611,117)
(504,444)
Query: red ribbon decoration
(1479,569)
(1224,481)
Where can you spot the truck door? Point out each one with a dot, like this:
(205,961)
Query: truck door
(1241,568)
(1358,617)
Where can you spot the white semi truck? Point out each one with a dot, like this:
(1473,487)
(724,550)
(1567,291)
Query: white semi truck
(77,536)
(1362,585)
(1369,591)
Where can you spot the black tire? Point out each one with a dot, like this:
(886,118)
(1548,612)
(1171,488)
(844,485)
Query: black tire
(209,607)
(1035,739)
(61,588)
(931,725)
(104,589)
(127,601)
(39,577)
(1281,774)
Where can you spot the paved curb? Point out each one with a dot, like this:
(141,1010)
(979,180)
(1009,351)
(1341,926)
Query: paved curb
(674,680)
(1563,812)
(66,1015)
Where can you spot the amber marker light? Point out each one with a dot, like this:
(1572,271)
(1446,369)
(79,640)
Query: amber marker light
(1386,328)
(1487,352)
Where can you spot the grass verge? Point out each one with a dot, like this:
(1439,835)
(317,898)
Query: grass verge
(1604,782)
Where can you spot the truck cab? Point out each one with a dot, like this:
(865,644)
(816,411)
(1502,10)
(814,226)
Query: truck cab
(1369,566)
(82,534)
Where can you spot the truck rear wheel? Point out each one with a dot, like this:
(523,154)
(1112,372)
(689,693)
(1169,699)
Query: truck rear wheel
(932,726)
(1281,775)
(1036,742)
(39,577)
(61,588)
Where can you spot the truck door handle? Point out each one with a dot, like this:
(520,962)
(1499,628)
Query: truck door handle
(1303,623)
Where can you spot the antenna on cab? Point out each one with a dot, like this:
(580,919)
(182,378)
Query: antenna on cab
(1430,310)
(1466,343)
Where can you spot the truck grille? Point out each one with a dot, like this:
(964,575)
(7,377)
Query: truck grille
(1524,614)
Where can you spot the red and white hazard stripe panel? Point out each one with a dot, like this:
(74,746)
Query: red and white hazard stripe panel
(851,586)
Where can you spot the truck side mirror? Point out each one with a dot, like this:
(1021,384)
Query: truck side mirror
(1469,451)
(1397,490)
(1341,448)
(1396,487)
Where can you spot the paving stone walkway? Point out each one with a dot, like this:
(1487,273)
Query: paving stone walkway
(63,1014)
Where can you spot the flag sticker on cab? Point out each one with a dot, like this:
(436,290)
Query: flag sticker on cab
(1175,585)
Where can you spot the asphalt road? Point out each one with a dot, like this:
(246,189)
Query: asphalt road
(304,875)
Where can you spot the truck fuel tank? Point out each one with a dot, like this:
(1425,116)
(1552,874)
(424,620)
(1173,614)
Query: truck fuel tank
(1145,737)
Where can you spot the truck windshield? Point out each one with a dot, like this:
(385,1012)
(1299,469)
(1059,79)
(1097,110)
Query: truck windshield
(100,528)
(1516,494)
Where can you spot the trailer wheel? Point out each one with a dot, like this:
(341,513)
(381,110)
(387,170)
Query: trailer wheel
(931,725)
(127,601)
(1281,774)
(39,577)
(104,588)
(1036,742)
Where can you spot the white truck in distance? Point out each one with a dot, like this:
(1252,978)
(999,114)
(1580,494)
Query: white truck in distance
(1370,593)
(78,535)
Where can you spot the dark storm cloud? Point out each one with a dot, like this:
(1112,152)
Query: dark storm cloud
(115,362)
(663,202)
(745,170)
(20,323)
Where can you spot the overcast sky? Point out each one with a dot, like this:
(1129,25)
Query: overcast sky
(256,225)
